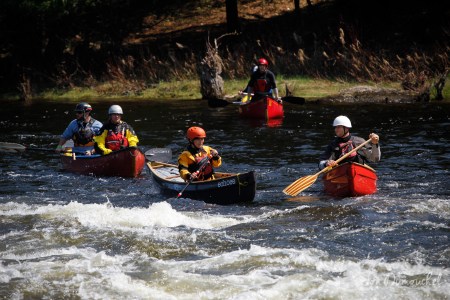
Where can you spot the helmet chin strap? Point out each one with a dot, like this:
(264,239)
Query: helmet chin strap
(85,116)
(346,132)
(191,142)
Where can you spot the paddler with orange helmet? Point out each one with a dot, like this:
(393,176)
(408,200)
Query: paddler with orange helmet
(197,161)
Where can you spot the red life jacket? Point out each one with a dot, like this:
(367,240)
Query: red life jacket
(346,148)
(115,141)
(205,167)
(261,86)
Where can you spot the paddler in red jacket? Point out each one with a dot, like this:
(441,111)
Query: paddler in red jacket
(197,161)
(262,82)
(115,134)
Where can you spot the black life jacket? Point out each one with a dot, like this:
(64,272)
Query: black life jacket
(84,136)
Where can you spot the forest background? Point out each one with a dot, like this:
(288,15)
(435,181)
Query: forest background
(155,49)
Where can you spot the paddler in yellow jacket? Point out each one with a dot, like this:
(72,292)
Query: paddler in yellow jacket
(197,161)
(115,134)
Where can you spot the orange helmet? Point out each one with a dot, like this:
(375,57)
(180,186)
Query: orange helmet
(263,61)
(195,133)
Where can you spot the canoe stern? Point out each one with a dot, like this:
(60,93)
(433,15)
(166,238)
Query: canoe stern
(127,162)
(350,180)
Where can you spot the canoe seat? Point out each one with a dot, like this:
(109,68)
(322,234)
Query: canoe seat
(169,173)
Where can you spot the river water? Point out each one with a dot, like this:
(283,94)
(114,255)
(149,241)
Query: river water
(67,236)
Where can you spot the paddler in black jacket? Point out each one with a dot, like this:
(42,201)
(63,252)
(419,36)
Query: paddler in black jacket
(262,82)
(344,142)
(197,161)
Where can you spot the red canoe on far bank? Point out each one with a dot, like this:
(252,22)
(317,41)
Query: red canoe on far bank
(350,180)
(266,108)
(127,162)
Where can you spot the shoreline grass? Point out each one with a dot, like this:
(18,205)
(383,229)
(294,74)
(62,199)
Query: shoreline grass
(308,88)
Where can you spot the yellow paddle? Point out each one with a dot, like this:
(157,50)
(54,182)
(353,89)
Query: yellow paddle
(305,182)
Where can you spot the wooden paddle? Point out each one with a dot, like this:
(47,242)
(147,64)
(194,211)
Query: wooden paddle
(217,103)
(305,182)
(294,100)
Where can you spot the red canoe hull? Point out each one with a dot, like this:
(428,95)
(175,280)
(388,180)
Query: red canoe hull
(127,162)
(267,109)
(350,180)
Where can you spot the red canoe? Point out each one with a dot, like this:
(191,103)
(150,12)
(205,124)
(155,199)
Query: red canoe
(266,108)
(127,162)
(350,180)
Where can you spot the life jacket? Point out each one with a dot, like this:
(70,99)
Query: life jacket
(202,163)
(116,139)
(84,136)
(261,83)
(261,86)
(346,148)
(343,148)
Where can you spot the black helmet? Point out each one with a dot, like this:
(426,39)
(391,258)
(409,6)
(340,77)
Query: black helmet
(83,107)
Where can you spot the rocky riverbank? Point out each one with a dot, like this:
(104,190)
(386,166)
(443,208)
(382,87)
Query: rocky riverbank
(370,94)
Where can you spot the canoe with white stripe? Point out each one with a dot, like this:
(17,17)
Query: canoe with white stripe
(225,189)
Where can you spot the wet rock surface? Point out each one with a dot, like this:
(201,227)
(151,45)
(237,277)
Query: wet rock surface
(368,94)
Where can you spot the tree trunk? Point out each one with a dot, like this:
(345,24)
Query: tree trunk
(232,15)
(211,83)
(439,86)
(297,7)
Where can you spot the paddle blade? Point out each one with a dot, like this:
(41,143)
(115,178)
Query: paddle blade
(11,147)
(300,185)
(294,100)
(159,154)
(217,103)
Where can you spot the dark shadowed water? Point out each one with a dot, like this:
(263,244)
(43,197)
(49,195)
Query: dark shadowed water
(66,236)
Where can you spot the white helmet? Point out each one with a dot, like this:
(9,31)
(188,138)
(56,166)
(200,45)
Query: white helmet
(342,121)
(115,109)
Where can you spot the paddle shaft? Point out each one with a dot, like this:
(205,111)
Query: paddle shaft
(342,158)
(42,149)
(303,183)
(185,187)
(222,102)
(289,99)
